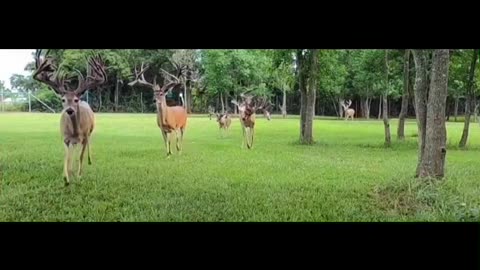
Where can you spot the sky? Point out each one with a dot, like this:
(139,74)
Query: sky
(13,62)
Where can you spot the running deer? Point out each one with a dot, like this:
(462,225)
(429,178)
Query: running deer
(224,121)
(246,111)
(169,118)
(77,118)
(349,113)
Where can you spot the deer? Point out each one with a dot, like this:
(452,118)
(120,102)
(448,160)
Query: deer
(349,113)
(169,118)
(77,120)
(224,121)
(211,112)
(247,109)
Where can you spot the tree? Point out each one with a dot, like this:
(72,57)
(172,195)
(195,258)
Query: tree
(430,101)
(470,99)
(307,72)
(405,96)
(386,123)
(284,80)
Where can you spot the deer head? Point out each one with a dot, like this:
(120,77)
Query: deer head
(346,104)
(47,71)
(159,93)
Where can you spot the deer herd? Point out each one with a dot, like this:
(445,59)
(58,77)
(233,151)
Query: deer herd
(77,120)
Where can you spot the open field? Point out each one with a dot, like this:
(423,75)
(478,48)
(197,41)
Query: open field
(346,176)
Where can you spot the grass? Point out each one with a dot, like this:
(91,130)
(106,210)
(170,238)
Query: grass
(346,176)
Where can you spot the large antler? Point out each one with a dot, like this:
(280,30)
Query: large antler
(46,71)
(96,75)
(140,79)
(348,103)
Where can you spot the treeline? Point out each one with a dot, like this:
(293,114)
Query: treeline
(214,77)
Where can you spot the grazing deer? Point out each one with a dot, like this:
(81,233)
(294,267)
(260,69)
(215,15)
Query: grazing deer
(349,113)
(169,118)
(224,121)
(211,112)
(77,118)
(247,110)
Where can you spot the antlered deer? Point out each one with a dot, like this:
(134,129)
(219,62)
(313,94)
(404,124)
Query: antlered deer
(246,111)
(224,121)
(169,118)
(349,113)
(77,118)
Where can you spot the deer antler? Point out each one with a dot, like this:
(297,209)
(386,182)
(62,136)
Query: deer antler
(46,71)
(96,75)
(177,80)
(140,78)
(348,103)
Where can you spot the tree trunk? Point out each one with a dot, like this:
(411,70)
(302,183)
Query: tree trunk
(117,86)
(420,92)
(386,123)
(433,161)
(470,100)
(223,105)
(365,107)
(189,98)
(380,107)
(455,113)
(404,109)
(284,104)
(307,65)
(226,102)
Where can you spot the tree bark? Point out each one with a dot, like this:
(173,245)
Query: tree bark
(117,86)
(226,102)
(189,97)
(380,107)
(403,110)
(223,105)
(420,92)
(284,104)
(470,100)
(386,123)
(455,113)
(433,162)
(365,107)
(307,65)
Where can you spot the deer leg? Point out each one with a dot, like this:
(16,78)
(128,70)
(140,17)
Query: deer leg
(164,135)
(182,130)
(88,152)
(252,133)
(244,136)
(67,162)
(169,148)
(179,134)
(80,163)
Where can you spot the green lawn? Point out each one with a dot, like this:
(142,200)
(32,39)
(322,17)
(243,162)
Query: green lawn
(346,176)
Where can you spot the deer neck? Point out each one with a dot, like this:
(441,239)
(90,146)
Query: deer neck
(75,122)
(162,112)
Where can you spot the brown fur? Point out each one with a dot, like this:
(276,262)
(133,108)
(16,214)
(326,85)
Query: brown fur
(170,119)
(224,121)
(76,129)
(77,120)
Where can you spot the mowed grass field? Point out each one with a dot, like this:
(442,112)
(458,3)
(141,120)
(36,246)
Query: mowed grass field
(346,176)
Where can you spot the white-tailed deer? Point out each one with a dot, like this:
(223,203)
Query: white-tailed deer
(169,118)
(246,110)
(211,112)
(224,121)
(77,118)
(349,113)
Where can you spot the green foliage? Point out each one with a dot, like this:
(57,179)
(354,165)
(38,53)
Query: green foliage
(333,72)
(235,71)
